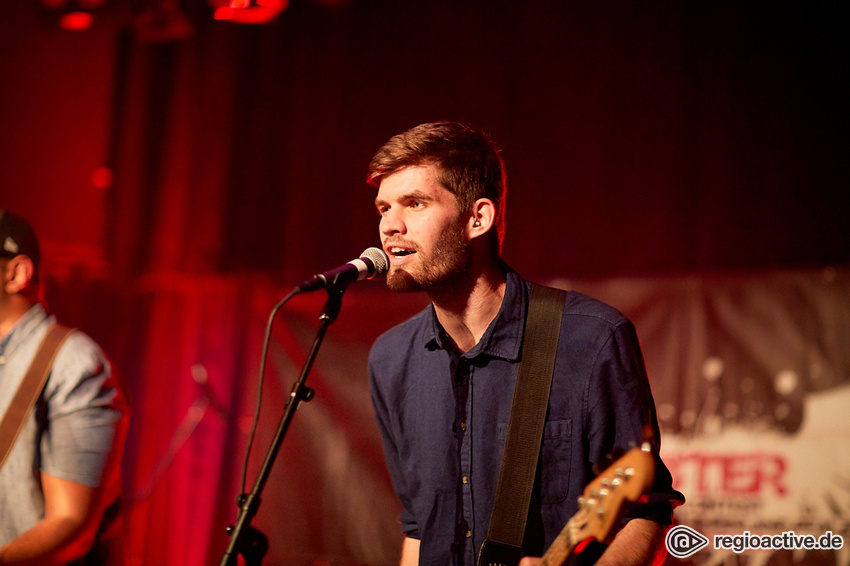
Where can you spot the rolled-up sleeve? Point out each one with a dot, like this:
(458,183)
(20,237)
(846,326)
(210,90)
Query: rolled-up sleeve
(622,411)
(85,407)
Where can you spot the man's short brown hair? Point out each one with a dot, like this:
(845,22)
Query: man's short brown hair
(468,162)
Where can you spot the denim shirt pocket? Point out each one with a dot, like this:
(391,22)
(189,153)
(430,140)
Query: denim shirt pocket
(555,459)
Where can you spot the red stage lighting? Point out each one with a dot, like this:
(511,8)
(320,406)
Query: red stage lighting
(248,11)
(76,21)
(72,15)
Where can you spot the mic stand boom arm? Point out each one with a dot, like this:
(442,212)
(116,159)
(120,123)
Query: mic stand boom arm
(245,539)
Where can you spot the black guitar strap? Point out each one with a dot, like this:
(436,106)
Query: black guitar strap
(525,428)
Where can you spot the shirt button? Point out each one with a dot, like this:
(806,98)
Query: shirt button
(468,534)
(465,479)
(463,426)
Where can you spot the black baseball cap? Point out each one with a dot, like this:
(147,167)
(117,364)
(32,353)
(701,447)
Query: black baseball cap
(17,238)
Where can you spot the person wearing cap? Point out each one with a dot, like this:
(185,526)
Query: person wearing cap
(60,480)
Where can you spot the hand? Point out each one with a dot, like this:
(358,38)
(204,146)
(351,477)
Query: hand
(530,561)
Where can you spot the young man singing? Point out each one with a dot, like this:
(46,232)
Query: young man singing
(442,382)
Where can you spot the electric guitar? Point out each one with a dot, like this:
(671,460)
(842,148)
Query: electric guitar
(599,506)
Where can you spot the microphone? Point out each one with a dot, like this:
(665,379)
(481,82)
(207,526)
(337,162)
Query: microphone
(373,262)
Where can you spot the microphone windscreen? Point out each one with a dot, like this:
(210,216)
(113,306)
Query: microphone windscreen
(379,260)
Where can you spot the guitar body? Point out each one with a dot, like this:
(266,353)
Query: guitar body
(494,553)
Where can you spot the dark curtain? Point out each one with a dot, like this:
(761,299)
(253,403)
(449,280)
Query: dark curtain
(638,136)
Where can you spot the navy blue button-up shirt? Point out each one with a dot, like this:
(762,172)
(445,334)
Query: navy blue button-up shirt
(443,417)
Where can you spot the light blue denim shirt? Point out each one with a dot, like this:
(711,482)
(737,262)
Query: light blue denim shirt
(75,426)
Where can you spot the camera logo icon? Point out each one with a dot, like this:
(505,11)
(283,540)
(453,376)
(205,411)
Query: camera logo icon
(683,541)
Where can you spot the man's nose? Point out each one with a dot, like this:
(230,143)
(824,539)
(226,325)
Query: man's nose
(392,223)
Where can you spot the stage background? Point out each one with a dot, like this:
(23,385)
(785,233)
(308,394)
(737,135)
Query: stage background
(686,163)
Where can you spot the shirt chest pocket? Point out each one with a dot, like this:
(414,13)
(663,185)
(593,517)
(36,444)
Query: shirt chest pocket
(555,458)
(555,461)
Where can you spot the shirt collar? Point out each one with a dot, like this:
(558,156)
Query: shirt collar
(22,329)
(503,338)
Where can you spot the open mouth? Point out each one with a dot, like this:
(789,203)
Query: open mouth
(397,251)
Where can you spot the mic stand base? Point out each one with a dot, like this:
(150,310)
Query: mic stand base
(254,544)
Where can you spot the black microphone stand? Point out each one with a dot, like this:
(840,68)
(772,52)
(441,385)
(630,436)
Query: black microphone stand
(245,539)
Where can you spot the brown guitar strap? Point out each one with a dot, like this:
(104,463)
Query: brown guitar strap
(525,428)
(30,388)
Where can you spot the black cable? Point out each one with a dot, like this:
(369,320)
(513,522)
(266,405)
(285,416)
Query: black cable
(260,381)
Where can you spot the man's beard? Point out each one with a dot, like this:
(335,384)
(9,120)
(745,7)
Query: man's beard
(448,258)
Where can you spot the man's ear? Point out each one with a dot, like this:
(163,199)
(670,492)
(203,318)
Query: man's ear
(20,271)
(483,217)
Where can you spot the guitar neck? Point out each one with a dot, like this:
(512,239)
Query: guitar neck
(562,546)
(599,506)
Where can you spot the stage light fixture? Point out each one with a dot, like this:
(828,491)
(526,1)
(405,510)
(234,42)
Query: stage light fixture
(248,11)
(72,15)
